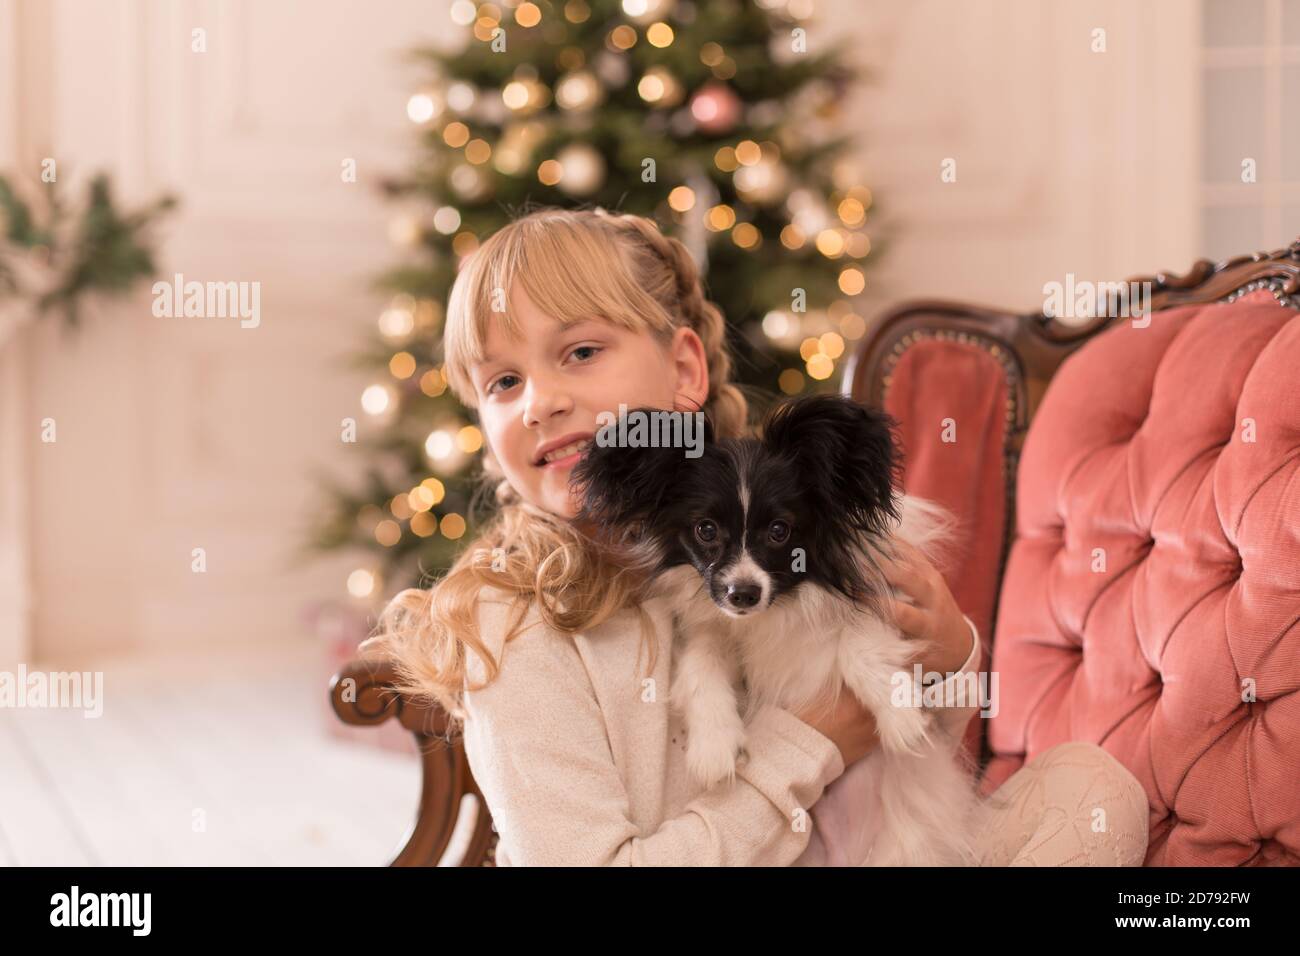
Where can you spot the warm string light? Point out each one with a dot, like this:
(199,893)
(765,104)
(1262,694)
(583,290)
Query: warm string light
(413,508)
(361,583)
(376,399)
(579,170)
(791,381)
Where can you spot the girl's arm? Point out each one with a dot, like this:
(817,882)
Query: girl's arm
(962,689)
(539,751)
(930,614)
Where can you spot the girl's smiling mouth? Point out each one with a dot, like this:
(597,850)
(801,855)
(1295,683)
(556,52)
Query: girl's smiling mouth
(564,452)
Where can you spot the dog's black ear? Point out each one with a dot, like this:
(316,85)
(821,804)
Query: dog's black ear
(622,484)
(846,453)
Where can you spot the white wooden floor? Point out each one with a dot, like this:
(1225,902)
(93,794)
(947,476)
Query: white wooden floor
(234,740)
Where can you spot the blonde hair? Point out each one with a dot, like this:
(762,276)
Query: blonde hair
(573,264)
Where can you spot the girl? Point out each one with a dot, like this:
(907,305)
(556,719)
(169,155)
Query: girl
(533,641)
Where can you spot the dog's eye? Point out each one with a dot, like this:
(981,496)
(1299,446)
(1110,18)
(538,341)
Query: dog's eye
(778,531)
(706,531)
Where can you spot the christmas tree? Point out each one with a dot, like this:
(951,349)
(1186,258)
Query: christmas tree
(717,120)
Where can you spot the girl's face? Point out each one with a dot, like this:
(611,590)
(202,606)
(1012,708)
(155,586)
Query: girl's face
(542,392)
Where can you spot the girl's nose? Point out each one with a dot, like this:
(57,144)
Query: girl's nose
(544,400)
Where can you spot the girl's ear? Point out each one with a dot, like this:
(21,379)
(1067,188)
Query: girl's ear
(846,454)
(691,367)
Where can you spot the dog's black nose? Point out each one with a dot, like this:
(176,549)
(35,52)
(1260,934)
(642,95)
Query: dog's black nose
(744,595)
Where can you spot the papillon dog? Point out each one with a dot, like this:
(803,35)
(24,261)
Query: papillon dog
(768,547)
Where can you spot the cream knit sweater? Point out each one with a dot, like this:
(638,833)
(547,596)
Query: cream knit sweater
(583,762)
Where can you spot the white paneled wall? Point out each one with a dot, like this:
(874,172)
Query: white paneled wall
(182,433)
(15,536)
(1068,160)
(1250,186)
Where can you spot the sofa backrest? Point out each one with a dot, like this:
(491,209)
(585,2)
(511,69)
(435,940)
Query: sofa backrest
(1151,600)
(1128,525)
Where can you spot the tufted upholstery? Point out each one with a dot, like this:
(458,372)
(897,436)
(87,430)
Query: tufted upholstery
(1155,577)
(937,380)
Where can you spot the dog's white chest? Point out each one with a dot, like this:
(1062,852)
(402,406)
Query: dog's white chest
(793,658)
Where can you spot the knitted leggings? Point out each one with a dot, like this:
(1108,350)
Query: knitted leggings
(1071,805)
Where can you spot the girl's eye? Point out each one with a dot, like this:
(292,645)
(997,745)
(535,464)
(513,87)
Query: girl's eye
(778,531)
(586,348)
(706,531)
(493,387)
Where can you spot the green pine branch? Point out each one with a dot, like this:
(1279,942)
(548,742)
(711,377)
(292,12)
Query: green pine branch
(108,251)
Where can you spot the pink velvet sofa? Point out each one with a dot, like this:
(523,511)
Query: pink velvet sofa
(1129,493)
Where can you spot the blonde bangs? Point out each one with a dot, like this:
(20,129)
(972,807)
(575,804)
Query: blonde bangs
(568,270)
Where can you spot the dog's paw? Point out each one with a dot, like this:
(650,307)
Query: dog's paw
(903,730)
(711,755)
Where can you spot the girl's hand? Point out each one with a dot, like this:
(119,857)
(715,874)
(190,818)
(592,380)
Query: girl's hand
(846,723)
(934,617)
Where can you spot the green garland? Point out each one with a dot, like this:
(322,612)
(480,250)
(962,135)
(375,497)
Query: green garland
(94,249)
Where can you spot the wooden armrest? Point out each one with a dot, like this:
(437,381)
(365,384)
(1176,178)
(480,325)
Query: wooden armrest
(362,694)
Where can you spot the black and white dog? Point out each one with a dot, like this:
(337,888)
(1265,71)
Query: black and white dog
(767,546)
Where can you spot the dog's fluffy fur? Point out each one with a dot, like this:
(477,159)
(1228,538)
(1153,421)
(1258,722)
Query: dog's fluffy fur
(768,548)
